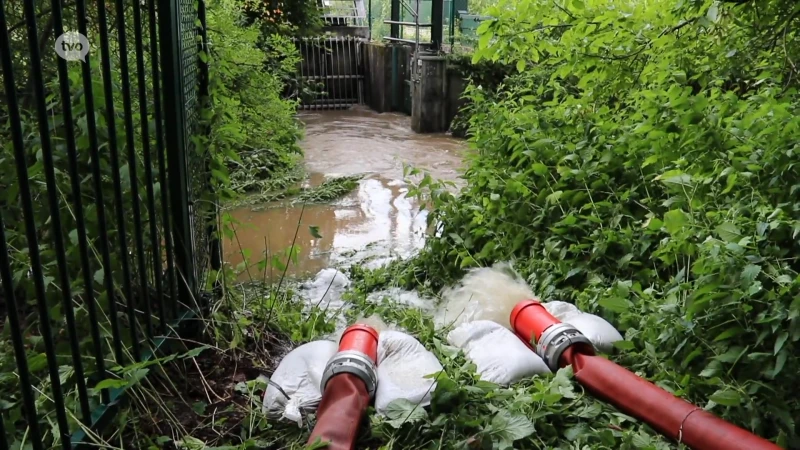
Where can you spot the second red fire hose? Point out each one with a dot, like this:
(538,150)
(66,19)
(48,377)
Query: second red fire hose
(560,345)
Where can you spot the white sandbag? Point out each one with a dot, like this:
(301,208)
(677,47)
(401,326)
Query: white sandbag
(298,375)
(562,311)
(500,356)
(402,365)
(598,330)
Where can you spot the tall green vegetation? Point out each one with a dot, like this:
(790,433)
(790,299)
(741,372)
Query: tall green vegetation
(255,123)
(643,164)
(245,122)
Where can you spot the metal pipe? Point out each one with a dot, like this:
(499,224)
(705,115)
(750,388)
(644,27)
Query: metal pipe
(452,24)
(414,74)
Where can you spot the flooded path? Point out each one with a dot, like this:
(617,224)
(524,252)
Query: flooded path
(373,224)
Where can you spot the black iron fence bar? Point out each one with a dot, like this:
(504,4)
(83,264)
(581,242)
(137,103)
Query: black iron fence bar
(37,76)
(214,243)
(174,111)
(345,57)
(130,138)
(97,180)
(72,158)
(114,156)
(148,170)
(28,399)
(336,58)
(30,224)
(162,169)
(326,88)
(360,71)
(312,52)
(3,442)
(351,68)
(6,277)
(348,64)
(327,67)
(303,66)
(329,63)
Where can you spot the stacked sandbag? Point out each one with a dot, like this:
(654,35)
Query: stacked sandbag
(403,365)
(598,330)
(294,388)
(498,354)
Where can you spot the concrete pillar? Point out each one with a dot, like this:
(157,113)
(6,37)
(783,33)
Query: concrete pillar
(429,95)
(378,68)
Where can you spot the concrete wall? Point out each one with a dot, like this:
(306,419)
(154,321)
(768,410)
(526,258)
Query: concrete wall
(455,87)
(429,112)
(378,72)
(432,103)
(385,91)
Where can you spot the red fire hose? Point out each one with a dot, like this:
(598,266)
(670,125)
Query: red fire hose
(560,344)
(348,384)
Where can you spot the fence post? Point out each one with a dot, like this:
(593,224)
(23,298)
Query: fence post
(394,14)
(437,22)
(214,243)
(176,145)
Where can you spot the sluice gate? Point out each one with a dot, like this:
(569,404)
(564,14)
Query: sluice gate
(331,72)
(396,63)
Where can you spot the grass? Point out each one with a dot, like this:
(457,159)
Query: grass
(287,189)
(212,399)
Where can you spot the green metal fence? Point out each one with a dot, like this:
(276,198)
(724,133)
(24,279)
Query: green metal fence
(105,205)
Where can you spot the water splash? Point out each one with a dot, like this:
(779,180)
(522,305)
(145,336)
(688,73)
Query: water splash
(487,293)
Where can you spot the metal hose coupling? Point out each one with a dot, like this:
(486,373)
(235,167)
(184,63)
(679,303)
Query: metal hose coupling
(357,355)
(548,336)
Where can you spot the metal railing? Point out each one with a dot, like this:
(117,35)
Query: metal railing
(101,241)
(351,13)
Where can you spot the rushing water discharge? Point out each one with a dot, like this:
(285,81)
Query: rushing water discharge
(371,225)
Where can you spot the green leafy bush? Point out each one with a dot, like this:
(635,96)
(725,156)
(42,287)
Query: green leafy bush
(643,164)
(254,126)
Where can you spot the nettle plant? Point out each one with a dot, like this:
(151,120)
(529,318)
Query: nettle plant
(642,163)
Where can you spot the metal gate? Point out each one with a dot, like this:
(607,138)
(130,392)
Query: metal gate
(330,73)
(101,250)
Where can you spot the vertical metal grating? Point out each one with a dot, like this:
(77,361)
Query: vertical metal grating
(331,72)
(188,48)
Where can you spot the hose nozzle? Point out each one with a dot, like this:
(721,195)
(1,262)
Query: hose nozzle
(548,336)
(357,355)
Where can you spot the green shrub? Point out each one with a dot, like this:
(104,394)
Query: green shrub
(643,164)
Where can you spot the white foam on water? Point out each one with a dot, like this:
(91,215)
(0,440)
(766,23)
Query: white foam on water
(403,297)
(325,289)
(487,293)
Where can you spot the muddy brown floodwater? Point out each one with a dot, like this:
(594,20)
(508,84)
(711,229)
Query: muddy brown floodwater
(373,224)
